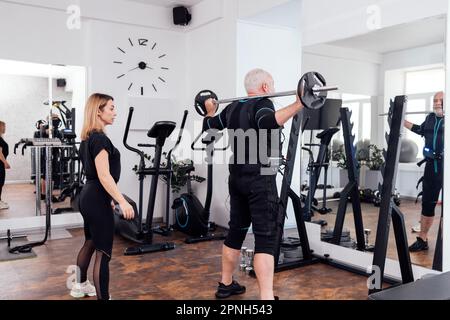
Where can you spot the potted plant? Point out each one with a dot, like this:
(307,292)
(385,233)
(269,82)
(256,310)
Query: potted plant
(374,163)
(180,172)
(338,155)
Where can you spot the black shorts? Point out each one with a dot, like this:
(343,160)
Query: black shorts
(254,201)
(95,207)
(431,187)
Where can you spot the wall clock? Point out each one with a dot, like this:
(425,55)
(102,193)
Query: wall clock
(141,66)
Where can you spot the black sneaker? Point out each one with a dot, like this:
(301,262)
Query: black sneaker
(419,245)
(224,291)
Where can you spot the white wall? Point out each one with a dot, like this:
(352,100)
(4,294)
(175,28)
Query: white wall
(257,46)
(392,75)
(203,55)
(165,104)
(353,71)
(211,52)
(328,20)
(45,39)
(138,14)
(21,105)
(251,8)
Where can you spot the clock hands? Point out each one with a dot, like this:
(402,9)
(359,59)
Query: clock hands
(133,69)
(142,65)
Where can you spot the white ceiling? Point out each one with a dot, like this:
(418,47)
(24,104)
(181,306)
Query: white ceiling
(406,36)
(169,3)
(285,15)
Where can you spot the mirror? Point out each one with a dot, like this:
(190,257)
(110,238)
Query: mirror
(25,111)
(371,69)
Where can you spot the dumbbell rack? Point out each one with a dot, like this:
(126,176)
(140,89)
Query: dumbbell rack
(286,194)
(351,189)
(388,209)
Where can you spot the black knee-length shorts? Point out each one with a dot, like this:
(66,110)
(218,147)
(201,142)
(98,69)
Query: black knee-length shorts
(432,186)
(253,201)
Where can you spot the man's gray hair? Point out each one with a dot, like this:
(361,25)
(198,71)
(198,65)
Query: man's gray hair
(256,78)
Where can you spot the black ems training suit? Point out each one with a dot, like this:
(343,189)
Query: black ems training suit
(433,131)
(253,196)
(95,207)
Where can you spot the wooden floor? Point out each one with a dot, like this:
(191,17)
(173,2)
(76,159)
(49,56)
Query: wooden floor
(187,272)
(190,271)
(411,212)
(21,199)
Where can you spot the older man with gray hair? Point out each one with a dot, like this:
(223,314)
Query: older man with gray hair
(253,194)
(432,129)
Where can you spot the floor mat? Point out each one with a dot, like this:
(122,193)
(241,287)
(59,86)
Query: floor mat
(6,256)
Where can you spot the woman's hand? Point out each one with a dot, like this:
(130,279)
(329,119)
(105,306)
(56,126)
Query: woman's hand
(7,166)
(127,210)
(113,206)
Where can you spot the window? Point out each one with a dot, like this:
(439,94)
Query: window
(420,88)
(423,81)
(360,107)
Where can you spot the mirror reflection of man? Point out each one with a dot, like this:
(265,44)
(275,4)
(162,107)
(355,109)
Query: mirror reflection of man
(432,129)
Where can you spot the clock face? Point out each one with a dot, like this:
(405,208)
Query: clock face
(141,66)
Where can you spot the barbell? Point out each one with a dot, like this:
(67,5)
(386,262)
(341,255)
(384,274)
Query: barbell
(406,113)
(311,89)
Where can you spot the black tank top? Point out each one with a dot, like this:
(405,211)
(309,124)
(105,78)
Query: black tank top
(90,148)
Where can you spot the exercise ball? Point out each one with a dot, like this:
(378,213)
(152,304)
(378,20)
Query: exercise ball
(408,151)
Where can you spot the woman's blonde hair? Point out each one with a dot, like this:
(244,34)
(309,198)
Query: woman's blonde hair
(96,102)
(2,126)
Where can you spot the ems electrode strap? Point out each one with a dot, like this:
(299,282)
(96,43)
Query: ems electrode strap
(436,130)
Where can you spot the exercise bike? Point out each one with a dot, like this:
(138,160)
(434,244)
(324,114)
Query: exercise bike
(191,217)
(315,168)
(135,230)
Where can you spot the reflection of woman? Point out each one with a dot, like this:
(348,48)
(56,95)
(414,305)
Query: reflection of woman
(101,162)
(4,151)
(433,131)
(43,132)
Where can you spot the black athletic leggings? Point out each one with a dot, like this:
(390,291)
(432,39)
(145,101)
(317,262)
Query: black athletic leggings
(2,178)
(95,207)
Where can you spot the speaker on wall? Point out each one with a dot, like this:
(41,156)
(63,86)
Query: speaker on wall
(61,83)
(181,16)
